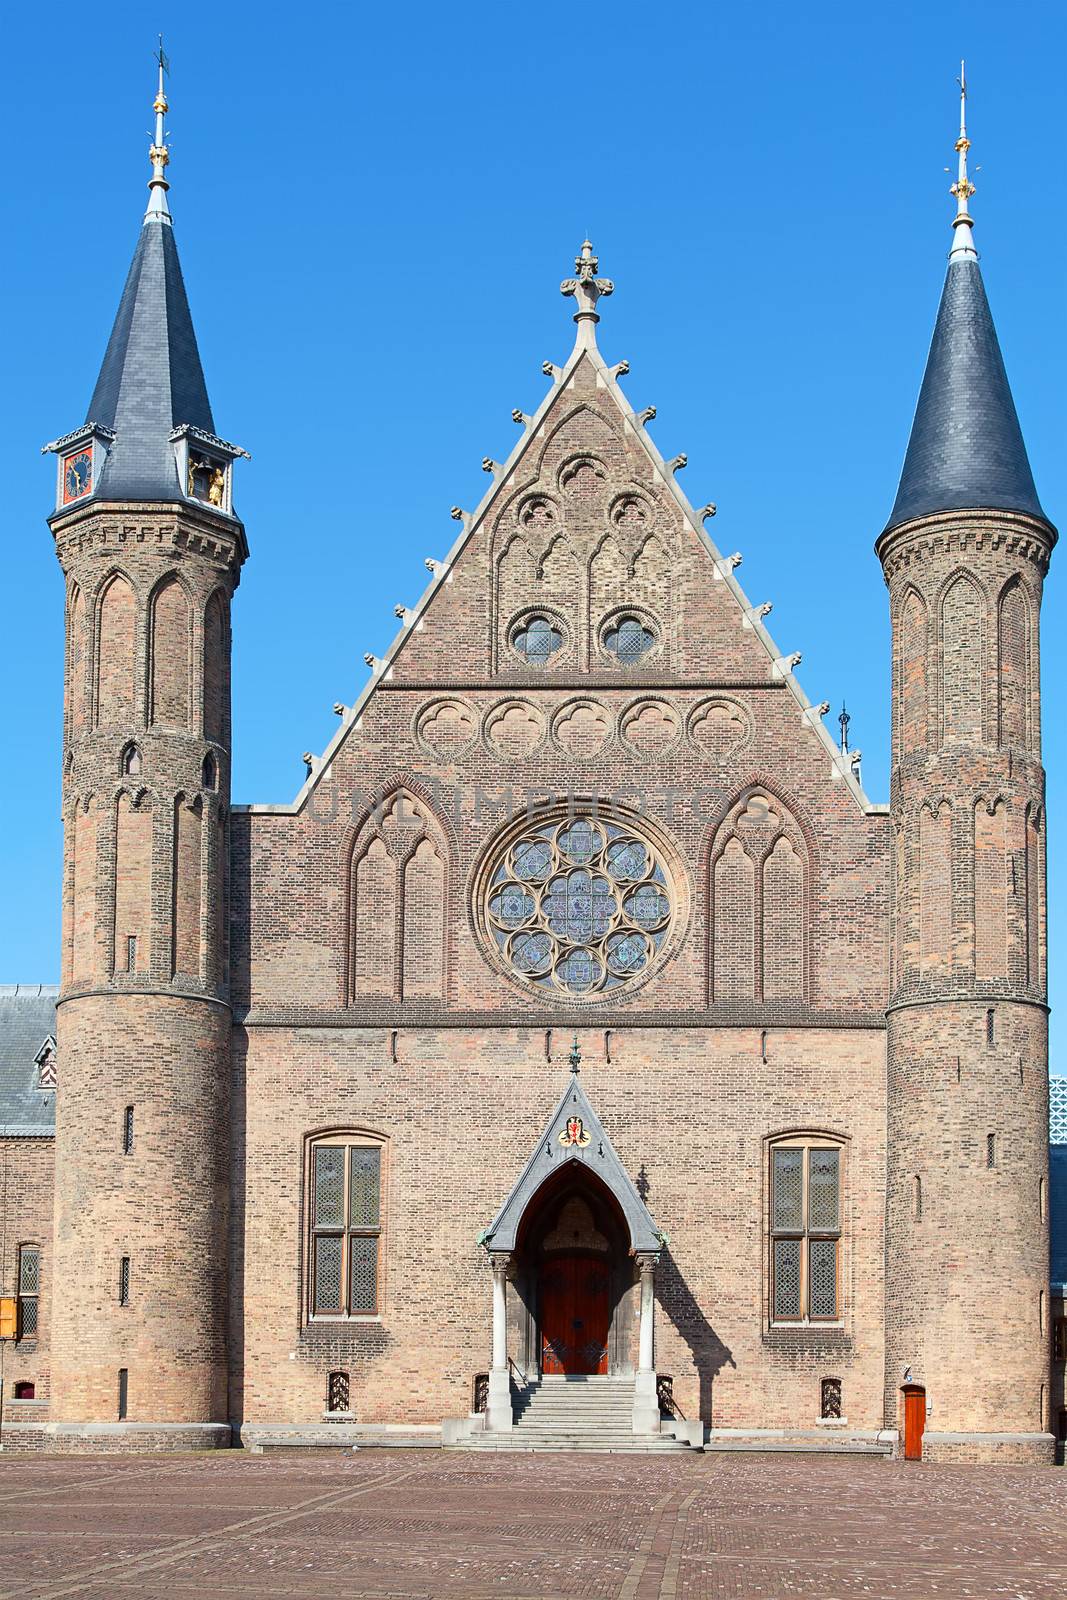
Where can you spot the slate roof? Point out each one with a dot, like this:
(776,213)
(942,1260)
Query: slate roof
(966,448)
(27,1019)
(151,380)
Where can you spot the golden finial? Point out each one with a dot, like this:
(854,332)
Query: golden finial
(158,154)
(963,188)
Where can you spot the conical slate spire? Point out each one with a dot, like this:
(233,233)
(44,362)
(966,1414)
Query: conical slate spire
(151,381)
(966,449)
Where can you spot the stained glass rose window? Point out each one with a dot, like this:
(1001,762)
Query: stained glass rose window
(581,905)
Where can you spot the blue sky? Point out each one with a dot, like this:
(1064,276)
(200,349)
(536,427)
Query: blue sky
(374,207)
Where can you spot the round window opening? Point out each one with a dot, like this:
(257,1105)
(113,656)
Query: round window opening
(628,638)
(535,638)
(582,905)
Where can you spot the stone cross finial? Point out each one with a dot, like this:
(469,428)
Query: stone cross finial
(587,289)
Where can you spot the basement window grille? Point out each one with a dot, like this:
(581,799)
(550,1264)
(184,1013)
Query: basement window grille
(124,1392)
(830,1410)
(480,1395)
(338,1392)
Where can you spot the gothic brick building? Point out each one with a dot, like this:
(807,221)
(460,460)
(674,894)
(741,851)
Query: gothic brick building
(581,1019)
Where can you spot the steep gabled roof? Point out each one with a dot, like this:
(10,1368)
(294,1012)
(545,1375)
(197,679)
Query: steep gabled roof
(554,1150)
(504,478)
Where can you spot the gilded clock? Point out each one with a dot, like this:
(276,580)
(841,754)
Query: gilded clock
(77,475)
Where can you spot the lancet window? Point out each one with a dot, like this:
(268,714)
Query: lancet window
(805,1231)
(345,1227)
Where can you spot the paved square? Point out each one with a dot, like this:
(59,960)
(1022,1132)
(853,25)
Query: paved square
(425,1524)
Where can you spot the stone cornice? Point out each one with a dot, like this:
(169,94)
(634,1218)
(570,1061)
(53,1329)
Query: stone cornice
(956,532)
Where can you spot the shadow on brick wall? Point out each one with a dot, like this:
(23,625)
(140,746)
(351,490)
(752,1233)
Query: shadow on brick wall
(709,1353)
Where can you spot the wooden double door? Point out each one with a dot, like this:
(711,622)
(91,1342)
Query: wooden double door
(575,1305)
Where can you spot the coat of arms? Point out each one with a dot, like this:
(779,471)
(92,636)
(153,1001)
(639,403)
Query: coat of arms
(575,1133)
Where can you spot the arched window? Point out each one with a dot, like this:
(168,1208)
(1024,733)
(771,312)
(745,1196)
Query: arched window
(209,772)
(344,1225)
(805,1229)
(29,1287)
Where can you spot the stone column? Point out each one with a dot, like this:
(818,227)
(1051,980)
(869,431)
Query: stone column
(646,1399)
(498,1412)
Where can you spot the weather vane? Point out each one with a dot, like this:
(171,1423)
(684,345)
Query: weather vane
(159,57)
(575,1057)
(844,719)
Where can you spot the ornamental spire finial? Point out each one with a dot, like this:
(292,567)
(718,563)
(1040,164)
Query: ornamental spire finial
(158,154)
(963,224)
(587,289)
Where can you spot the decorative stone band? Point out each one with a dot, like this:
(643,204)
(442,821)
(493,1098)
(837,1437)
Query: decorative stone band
(956,532)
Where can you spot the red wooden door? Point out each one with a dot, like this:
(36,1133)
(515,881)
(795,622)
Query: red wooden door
(914,1423)
(574,1315)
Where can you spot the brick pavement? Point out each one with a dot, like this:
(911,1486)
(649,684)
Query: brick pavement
(417,1526)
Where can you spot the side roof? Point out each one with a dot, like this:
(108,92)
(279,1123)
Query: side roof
(27,1019)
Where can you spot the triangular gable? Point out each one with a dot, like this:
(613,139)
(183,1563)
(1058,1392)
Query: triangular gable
(45,1062)
(574,1133)
(503,486)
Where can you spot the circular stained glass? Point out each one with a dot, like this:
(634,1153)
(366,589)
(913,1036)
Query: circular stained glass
(582,905)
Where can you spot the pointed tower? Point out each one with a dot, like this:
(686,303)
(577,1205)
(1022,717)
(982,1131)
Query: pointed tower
(964,556)
(151,552)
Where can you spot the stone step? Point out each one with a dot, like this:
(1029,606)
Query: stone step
(652,1445)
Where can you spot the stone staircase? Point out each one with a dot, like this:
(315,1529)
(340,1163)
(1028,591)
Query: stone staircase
(575,1414)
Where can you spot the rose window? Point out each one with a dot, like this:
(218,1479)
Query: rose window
(582,905)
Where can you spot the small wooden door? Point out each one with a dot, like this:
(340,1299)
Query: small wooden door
(914,1422)
(574,1315)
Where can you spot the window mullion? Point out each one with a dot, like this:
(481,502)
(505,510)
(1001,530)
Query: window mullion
(346,1249)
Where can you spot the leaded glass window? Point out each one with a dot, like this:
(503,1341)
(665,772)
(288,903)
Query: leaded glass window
(29,1290)
(805,1216)
(628,638)
(535,639)
(582,905)
(345,1228)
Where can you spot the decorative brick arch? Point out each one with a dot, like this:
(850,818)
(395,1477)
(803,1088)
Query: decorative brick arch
(1014,666)
(398,877)
(115,650)
(962,631)
(760,873)
(169,656)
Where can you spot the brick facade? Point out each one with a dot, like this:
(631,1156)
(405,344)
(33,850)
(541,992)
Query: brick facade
(385,964)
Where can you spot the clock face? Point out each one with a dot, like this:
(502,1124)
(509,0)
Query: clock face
(77,475)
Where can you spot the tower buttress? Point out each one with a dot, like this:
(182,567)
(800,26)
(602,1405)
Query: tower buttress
(151,551)
(964,557)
